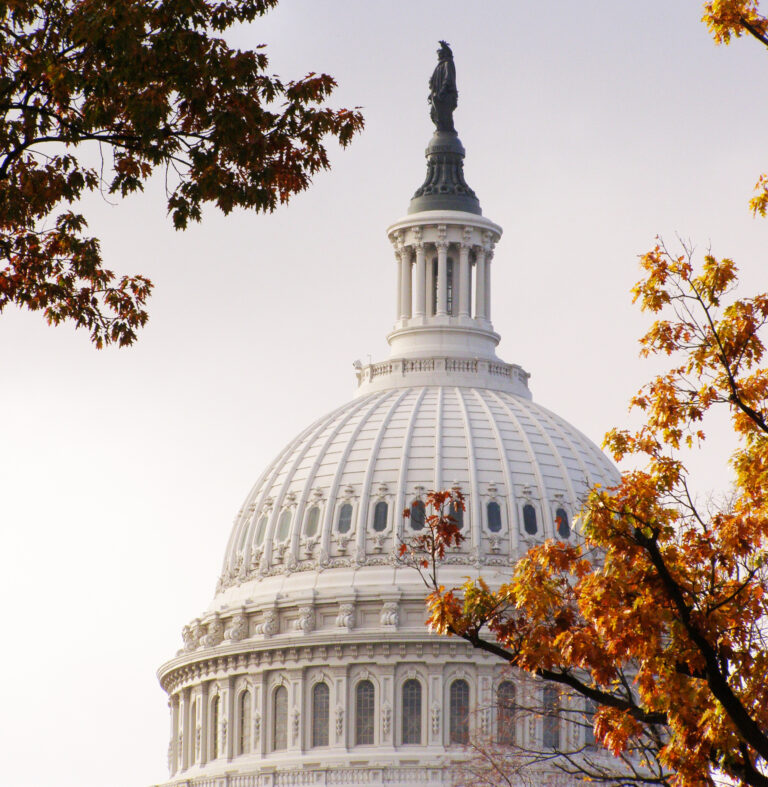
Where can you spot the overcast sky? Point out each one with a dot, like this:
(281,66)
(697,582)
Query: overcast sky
(589,127)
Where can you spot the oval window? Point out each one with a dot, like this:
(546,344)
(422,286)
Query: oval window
(284,525)
(380,516)
(261,530)
(529,519)
(494,517)
(311,522)
(345,518)
(457,515)
(417,515)
(563,525)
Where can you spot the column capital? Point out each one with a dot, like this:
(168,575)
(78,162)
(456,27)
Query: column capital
(396,239)
(466,238)
(442,236)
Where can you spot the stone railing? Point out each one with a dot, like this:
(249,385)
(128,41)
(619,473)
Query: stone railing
(445,370)
(327,777)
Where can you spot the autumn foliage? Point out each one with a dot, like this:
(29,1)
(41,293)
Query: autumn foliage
(659,615)
(96,96)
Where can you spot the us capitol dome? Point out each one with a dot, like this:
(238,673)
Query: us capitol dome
(312,665)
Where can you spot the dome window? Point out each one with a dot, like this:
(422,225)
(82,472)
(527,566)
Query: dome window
(459,712)
(345,518)
(563,525)
(457,515)
(284,525)
(312,521)
(364,710)
(261,529)
(417,515)
(280,719)
(412,712)
(505,713)
(320,710)
(244,714)
(380,512)
(494,516)
(529,519)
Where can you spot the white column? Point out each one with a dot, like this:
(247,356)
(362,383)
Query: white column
(405,282)
(173,748)
(231,728)
(442,278)
(488,258)
(185,731)
(480,284)
(399,310)
(204,725)
(420,274)
(464,274)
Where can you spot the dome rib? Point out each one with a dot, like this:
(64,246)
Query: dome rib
(542,489)
(474,497)
(559,459)
(334,488)
(312,474)
(438,479)
(402,495)
(266,558)
(365,495)
(512,516)
(553,421)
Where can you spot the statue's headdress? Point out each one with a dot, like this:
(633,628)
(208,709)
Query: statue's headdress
(445,49)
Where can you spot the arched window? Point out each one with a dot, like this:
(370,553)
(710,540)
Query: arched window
(450,300)
(551,717)
(364,709)
(284,525)
(457,514)
(312,521)
(494,517)
(505,713)
(459,712)
(261,529)
(345,518)
(320,711)
(244,722)
(417,515)
(563,525)
(411,711)
(215,727)
(280,719)
(529,519)
(380,511)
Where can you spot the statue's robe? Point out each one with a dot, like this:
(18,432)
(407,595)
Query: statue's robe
(443,96)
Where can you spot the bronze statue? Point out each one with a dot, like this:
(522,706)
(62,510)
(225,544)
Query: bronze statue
(443,96)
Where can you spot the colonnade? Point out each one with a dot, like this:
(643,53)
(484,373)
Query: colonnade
(436,280)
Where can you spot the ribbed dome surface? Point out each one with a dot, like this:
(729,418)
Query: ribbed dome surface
(315,507)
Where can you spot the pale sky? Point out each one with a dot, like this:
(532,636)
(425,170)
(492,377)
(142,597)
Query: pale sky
(589,128)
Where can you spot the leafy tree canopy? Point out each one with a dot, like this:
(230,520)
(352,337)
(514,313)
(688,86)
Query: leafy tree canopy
(153,86)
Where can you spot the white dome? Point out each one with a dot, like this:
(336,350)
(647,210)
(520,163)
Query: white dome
(313,509)
(313,665)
